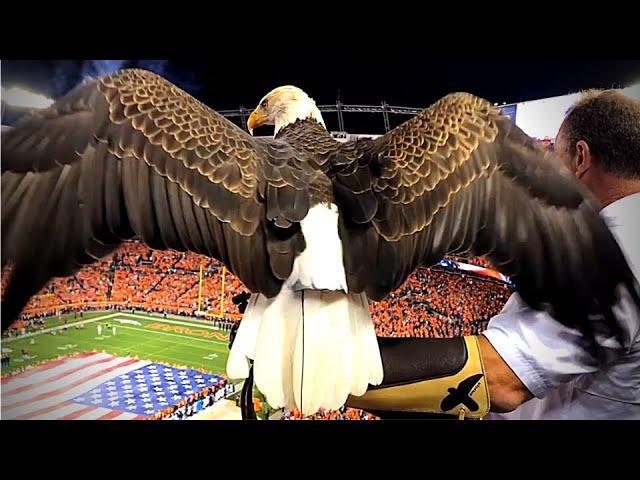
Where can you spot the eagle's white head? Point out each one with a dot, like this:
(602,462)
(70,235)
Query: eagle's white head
(283,106)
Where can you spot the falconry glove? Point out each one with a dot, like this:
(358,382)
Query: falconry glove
(428,378)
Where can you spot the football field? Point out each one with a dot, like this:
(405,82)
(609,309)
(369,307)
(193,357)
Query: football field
(175,340)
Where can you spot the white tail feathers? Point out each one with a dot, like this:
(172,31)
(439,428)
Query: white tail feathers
(245,342)
(311,348)
(313,344)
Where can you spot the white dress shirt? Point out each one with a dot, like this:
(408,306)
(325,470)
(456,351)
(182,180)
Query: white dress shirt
(550,359)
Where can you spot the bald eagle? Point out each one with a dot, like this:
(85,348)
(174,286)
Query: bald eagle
(314,228)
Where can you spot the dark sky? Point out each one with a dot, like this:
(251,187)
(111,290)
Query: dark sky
(357,79)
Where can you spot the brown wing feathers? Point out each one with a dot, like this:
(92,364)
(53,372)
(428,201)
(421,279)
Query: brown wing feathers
(131,154)
(143,158)
(461,178)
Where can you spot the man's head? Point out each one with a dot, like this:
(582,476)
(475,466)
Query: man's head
(599,141)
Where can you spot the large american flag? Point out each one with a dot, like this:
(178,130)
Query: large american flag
(98,386)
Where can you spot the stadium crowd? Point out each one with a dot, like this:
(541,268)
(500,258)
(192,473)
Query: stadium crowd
(438,303)
(344,413)
(136,277)
(435,302)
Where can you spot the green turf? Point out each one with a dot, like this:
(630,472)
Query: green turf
(184,345)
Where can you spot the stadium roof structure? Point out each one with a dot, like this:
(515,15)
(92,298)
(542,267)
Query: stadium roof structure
(538,118)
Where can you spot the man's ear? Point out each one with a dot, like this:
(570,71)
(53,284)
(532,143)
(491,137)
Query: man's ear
(583,159)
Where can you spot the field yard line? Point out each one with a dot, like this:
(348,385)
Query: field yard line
(172,316)
(180,361)
(185,337)
(59,327)
(164,357)
(166,320)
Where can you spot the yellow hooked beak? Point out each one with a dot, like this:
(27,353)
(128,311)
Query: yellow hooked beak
(256,119)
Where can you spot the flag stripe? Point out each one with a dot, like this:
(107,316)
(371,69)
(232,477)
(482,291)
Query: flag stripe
(32,371)
(65,393)
(66,388)
(42,411)
(75,392)
(42,377)
(67,409)
(46,386)
(41,369)
(30,386)
(95,414)
(126,416)
(78,413)
(99,386)
(111,415)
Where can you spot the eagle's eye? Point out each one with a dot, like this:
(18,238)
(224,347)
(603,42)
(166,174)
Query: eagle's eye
(264,103)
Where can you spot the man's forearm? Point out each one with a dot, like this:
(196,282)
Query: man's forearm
(506,390)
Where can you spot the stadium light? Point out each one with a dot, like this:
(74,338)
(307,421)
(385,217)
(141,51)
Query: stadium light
(22,98)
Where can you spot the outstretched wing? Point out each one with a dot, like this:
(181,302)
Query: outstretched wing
(133,155)
(461,178)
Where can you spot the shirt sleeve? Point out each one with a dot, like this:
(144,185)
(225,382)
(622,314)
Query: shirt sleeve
(542,352)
